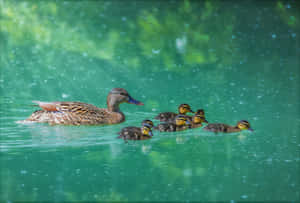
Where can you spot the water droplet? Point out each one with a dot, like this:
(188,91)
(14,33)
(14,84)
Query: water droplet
(23,171)
(64,95)
(273,36)
(244,196)
(155,51)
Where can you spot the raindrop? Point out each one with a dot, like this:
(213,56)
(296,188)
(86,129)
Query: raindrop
(155,51)
(64,95)
(244,196)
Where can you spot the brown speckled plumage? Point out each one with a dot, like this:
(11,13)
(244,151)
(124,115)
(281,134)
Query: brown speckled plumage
(78,113)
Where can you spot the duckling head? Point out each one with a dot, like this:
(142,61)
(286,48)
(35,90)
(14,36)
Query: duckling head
(117,96)
(184,108)
(200,115)
(148,123)
(197,119)
(181,120)
(146,130)
(244,125)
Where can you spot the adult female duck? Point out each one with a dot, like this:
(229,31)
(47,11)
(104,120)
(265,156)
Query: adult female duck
(78,113)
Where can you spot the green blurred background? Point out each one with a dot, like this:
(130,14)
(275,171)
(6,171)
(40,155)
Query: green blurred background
(237,60)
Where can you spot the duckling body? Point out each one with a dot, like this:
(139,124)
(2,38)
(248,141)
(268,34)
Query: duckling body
(170,116)
(137,133)
(78,113)
(224,128)
(170,127)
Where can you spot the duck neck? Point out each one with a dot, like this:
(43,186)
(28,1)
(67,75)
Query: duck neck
(112,104)
(113,107)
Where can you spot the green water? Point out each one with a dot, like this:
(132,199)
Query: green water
(235,60)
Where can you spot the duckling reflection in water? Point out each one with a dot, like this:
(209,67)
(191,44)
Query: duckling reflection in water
(224,128)
(136,133)
(170,116)
(181,123)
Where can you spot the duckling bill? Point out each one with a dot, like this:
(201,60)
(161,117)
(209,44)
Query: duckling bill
(137,133)
(224,128)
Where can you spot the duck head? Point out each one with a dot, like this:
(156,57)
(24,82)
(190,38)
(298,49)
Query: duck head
(199,117)
(181,120)
(244,125)
(184,108)
(118,96)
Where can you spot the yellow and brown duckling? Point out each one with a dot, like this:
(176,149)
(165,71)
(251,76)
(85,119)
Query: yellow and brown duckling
(170,116)
(181,123)
(198,119)
(137,133)
(224,128)
(201,114)
(78,113)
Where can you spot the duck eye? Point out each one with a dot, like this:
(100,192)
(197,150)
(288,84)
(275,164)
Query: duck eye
(124,94)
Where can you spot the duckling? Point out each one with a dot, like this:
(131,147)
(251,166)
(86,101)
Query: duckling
(201,114)
(224,128)
(136,133)
(181,123)
(78,113)
(197,120)
(170,116)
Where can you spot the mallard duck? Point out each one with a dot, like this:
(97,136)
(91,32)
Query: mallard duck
(224,128)
(198,119)
(78,113)
(170,116)
(136,133)
(181,123)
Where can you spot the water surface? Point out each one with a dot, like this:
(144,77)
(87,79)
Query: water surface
(235,60)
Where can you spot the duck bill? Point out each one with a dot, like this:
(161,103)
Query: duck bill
(133,101)
(250,129)
(150,133)
(192,111)
(205,121)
